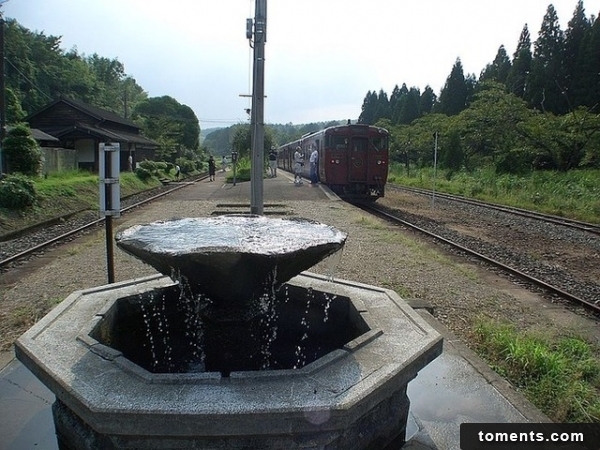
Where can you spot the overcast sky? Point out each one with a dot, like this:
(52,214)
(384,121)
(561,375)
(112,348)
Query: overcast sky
(321,56)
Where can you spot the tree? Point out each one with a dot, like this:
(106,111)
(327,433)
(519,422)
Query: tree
(22,152)
(410,107)
(574,56)
(452,155)
(490,126)
(563,142)
(170,123)
(242,141)
(368,109)
(454,95)
(516,79)
(427,101)
(414,144)
(547,78)
(499,69)
(397,100)
(585,82)
(382,110)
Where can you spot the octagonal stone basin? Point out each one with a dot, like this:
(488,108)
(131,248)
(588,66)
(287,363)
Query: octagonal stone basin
(351,398)
(163,332)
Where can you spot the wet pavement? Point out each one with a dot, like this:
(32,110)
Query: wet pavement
(456,387)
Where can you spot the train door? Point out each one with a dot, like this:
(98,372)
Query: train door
(358,159)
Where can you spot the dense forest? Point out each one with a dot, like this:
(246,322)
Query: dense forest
(537,110)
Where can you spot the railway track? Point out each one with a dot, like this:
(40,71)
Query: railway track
(513,261)
(557,220)
(28,244)
(563,290)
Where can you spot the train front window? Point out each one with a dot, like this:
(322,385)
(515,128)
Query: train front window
(338,142)
(380,143)
(359,145)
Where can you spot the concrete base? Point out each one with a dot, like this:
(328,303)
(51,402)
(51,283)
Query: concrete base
(353,398)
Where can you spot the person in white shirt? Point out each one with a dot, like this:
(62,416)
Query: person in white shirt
(298,164)
(314,159)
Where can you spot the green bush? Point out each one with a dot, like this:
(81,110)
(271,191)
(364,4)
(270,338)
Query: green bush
(243,171)
(187,165)
(22,151)
(143,173)
(156,168)
(17,192)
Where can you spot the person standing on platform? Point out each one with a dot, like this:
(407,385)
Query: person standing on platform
(273,162)
(177,172)
(211,168)
(223,163)
(314,160)
(298,164)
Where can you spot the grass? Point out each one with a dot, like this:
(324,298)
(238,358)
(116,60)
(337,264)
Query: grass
(66,192)
(560,375)
(574,194)
(86,185)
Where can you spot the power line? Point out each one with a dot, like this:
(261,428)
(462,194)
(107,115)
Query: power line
(236,120)
(28,80)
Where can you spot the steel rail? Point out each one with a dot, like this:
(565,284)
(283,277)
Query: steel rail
(536,281)
(557,220)
(37,248)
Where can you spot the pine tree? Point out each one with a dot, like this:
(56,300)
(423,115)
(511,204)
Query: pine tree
(454,94)
(410,108)
(367,115)
(382,111)
(397,100)
(590,82)
(499,69)
(577,30)
(427,101)
(516,80)
(547,79)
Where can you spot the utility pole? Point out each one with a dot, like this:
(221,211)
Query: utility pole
(257,126)
(2,95)
(435,154)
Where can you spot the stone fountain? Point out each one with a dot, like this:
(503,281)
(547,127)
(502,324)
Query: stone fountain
(232,347)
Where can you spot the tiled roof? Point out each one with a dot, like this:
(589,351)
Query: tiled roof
(93,111)
(108,135)
(39,135)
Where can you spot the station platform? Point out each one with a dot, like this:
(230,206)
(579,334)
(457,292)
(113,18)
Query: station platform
(275,190)
(455,388)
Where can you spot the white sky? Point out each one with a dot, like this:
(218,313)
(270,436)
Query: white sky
(321,56)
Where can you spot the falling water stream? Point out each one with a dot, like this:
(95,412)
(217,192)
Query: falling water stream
(230,305)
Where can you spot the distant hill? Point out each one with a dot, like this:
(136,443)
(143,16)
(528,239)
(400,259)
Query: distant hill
(205,132)
(218,140)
